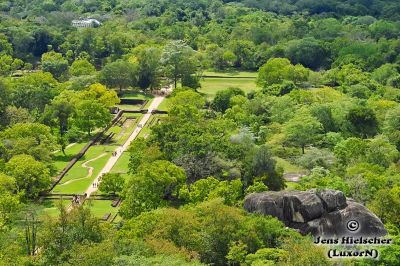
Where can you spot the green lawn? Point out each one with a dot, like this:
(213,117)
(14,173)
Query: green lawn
(133,115)
(129,107)
(61,160)
(210,86)
(287,166)
(137,95)
(147,105)
(122,164)
(122,132)
(165,105)
(101,207)
(232,74)
(77,180)
(50,207)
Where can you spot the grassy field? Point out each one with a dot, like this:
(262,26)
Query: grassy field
(287,166)
(129,107)
(232,74)
(210,85)
(50,207)
(77,179)
(101,207)
(165,105)
(121,166)
(137,95)
(146,130)
(61,160)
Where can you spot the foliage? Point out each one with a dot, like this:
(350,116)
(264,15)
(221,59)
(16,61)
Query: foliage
(32,177)
(112,183)
(151,186)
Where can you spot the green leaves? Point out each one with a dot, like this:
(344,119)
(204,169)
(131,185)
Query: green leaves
(32,176)
(276,70)
(302,130)
(151,187)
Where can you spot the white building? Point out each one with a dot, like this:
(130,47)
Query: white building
(86,23)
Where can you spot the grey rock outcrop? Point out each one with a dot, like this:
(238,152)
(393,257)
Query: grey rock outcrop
(320,213)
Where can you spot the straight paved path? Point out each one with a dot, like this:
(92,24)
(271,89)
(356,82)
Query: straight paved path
(113,160)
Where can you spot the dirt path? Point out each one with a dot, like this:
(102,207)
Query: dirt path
(84,165)
(113,160)
(69,146)
(293,177)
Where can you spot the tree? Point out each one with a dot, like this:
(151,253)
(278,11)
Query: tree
(5,46)
(112,183)
(188,97)
(384,73)
(108,98)
(9,201)
(81,67)
(308,52)
(381,152)
(277,70)
(32,177)
(178,61)
(119,74)
(222,99)
(151,187)
(263,166)
(15,115)
(391,126)
(244,53)
(8,64)
(90,114)
(141,152)
(28,138)
(350,151)
(39,87)
(273,72)
(387,205)
(54,63)
(149,66)
(302,130)
(211,188)
(363,122)
(61,108)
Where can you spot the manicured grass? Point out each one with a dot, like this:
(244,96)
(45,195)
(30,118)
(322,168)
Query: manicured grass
(165,105)
(232,74)
(50,207)
(122,132)
(287,166)
(122,164)
(137,95)
(210,86)
(144,132)
(77,179)
(129,107)
(132,115)
(61,160)
(101,207)
(147,105)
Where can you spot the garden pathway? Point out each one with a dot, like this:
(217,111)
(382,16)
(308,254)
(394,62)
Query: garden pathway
(119,151)
(84,165)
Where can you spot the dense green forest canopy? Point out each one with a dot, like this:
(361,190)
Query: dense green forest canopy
(320,98)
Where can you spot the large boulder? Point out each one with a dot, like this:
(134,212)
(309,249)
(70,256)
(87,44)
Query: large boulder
(320,213)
